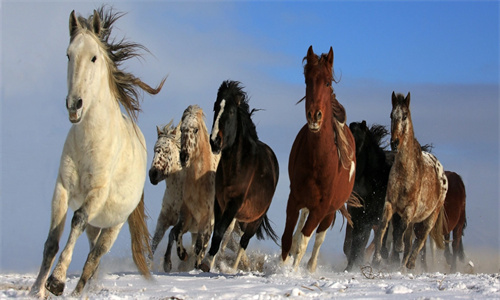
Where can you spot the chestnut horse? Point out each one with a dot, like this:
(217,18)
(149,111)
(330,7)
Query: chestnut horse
(247,174)
(322,162)
(416,189)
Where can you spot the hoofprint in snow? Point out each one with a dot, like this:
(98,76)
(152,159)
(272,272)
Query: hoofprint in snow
(272,282)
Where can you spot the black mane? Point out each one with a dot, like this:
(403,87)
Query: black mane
(233,93)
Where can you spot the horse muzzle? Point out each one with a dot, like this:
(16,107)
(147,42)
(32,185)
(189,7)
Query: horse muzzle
(155,176)
(216,145)
(75,110)
(394,144)
(314,121)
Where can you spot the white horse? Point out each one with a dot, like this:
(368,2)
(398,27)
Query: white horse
(103,164)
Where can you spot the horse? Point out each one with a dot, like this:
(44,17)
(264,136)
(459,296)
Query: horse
(322,162)
(103,164)
(247,174)
(373,164)
(456,220)
(199,164)
(166,165)
(416,189)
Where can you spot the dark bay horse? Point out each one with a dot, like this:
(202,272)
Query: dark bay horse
(322,162)
(416,190)
(454,207)
(373,164)
(247,174)
(456,221)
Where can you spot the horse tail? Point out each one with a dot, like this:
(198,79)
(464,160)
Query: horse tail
(140,238)
(265,226)
(354,200)
(437,233)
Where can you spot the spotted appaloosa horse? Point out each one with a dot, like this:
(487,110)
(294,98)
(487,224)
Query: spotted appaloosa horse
(247,174)
(322,162)
(103,164)
(166,165)
(416,189)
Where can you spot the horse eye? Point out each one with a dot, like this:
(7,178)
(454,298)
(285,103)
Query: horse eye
(196,130)
(94,59)
(67,55)
(328,84)
(404,117)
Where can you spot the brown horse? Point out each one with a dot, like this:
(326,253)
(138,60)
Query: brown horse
(247,174)
(456,221)
(416,189)
(322,162)
(454,207)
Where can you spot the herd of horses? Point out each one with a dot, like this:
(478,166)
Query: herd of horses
(222,182)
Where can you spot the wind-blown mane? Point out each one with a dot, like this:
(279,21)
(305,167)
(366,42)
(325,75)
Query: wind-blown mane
(124,85)
(241,101)
(379,132)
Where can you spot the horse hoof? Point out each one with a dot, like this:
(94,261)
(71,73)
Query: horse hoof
(55,286)
(167,266)
(410,265)
(204,267)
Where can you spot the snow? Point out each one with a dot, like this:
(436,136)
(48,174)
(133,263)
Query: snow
(117,279)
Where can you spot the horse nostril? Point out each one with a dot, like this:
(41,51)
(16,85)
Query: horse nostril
(183,157)
(319,115)
(79,104)
(395,144)
(309,116)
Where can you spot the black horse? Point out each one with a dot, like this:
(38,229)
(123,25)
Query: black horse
(247,174)
(372,174)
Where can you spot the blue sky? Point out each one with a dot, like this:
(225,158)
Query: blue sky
(446,53)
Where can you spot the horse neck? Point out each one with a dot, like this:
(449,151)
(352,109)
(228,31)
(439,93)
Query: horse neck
(409,153)
(102,117)
(203,154)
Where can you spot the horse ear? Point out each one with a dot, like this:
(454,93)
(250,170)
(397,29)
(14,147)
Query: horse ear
(73,23)
(407,99)
(330,57)
(96,23)
(158,131)
(394,99)
(310,54)
(363,124)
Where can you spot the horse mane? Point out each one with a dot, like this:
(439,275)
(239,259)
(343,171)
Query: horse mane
(167,131)
(240,99)
(124,85)
(378,133)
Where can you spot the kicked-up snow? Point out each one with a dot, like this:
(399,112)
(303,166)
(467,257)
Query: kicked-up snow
(271,281)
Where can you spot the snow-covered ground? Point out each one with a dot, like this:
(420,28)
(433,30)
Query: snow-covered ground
(117,279)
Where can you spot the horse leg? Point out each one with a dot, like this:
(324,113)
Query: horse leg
(421,233)
(360,235)
(105,241)
(312,222)
(347,248)
(228,236)
(447,253)
(58,218)
(423,255)
(92,235)
(161,227)
(221,224)
(406,238)
(167,258)
(302,220)
(184,223)
(379,234)
(292,214)
(250,230)
(319,239)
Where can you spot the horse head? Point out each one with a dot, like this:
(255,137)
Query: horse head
(87,65)
(166,153)
(192,130)
(318,78)
(401,125)
(224,129)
